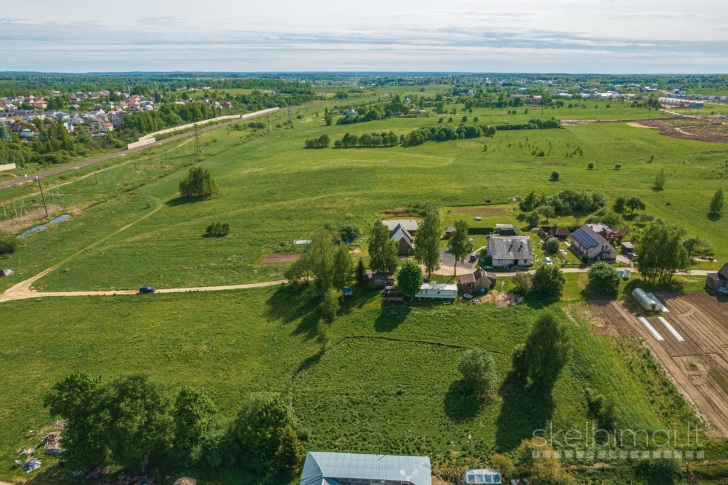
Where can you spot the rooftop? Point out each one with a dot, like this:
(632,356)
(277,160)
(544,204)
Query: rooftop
(587,238)
(323,468)
(510,247)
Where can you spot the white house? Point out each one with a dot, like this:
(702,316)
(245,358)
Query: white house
(507,251)
(433,291)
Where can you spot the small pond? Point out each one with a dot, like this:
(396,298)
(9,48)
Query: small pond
(55,220)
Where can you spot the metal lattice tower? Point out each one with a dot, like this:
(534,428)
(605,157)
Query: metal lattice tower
(198,146)
(6,135)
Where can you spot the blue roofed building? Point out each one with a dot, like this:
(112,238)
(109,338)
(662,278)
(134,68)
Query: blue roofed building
(324,468)
(587,244)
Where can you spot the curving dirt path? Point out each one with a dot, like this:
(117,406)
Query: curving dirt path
(22,290)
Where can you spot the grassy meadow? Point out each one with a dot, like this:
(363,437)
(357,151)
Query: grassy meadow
(387,382)
(274,191)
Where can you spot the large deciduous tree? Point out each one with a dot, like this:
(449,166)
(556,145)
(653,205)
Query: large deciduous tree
(137,419)
(382,251)
(458,243)
(198,183)
(548,280)
(193,416)
(409,279)
(259,427)
(604,278)
(75,398)
(661,252)
(427,242)
(634,203)
(478,370)
(547,349)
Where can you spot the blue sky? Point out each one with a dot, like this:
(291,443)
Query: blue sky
(582,36)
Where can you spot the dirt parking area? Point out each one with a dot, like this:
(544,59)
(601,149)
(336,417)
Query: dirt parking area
(691,342)
(481,211)
(281,258)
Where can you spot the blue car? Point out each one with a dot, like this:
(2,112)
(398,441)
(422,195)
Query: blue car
(147,289)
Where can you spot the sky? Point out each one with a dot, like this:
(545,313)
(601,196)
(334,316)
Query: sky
(555,36)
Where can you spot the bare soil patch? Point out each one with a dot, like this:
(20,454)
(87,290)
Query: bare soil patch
(697,364)
(699,129)
(481,211)
(281,258)
(502,298)
(14,226)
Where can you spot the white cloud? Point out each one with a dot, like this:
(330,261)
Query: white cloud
(421,35)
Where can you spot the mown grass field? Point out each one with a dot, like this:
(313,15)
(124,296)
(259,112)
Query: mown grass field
(366,393)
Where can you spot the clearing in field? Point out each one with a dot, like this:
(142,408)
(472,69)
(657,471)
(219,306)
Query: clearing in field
(699,129)
(694,349)
(481,211)
(280,258)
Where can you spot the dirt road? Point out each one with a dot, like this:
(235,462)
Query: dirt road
(75,166)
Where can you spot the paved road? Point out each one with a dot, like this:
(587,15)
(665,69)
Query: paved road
(75,166)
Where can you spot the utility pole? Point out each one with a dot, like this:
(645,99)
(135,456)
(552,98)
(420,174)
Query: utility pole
(96,178)
(470,438)
(4,211)
(43,196)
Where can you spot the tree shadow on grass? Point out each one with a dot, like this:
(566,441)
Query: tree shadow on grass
(714,217)
(524,410)
(292,303)
(673,286)
(390,317)
(183,200)
(462,404)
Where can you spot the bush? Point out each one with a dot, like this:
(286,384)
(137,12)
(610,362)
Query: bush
(503,464)
(604,278)
(590,165)
(555,175)
(548,280)
(518,361)
(478,370)
(259,427)
(522,283)
(349,232)
(8,245)
(218,229)
(257,125)
(551,245)
(617,166)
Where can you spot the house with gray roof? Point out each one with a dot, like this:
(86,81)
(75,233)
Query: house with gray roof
(411,225)
(507,251)
(324,468)
(401,236)
(587,244)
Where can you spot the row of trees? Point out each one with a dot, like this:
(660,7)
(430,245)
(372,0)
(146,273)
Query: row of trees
(367,140)
(321,142)
(133,419)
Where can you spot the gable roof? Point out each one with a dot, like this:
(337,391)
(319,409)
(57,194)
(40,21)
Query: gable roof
(323,468)
(410,224)
(723,272)
(510,247)
(561,231)
(399,233)
(473,277)
(587,238)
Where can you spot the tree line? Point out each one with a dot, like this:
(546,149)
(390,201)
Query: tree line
(132,420)
(367,140)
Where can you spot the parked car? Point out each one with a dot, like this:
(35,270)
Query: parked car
(147,289)
(549,261)
(474,257)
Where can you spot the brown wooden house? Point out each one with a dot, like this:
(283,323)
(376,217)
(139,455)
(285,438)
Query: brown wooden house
(478,281)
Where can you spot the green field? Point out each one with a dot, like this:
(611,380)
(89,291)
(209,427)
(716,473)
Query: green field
(364,393)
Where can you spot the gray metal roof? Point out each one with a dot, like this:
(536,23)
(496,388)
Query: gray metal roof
(510,247)
(323,468)
(410,224)
(587,238)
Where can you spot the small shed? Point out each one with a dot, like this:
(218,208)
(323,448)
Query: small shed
(6,272)
(506,229)
(627,247)
(449,231)
(645,300)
